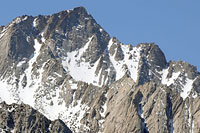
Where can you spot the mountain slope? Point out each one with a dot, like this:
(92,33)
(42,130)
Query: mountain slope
(67,66)
(22,118)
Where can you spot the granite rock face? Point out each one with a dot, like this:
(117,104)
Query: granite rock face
(23,118)
(68,68)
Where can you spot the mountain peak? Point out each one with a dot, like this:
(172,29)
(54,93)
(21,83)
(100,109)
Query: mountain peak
(78,11)
(66,66)
(81,9)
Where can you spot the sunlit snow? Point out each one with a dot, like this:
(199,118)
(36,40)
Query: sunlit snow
(27,93)
(81,70)
(169,81)
(35,22)
(132,64)
(187,88)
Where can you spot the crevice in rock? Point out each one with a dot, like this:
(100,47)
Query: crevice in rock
(140,111)
(170,115)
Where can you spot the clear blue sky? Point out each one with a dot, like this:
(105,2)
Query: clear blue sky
(172,24)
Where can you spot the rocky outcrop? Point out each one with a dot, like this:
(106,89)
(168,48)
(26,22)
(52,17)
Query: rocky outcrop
(23,118)
(151,63)
(1,28)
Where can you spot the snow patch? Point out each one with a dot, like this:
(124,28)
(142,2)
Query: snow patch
(169,81)
(5,93)
(35,22)
(11,109)
(131,60)
(27,93)
(71,10)
(73,85)
(79,27)
(101,30)
(3,32)
(78,68)
(4,130)
(186,84)
(192,127)
(21,63)
(28,38)
(43,39)
(74,114)
(18,20)
(187,88)
(25,18)
(110,43)
(55,109)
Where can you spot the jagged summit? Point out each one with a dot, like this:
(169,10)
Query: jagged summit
(76,11)
(67,66)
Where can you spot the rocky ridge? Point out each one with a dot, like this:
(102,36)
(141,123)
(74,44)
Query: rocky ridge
(16,118)
(67,66)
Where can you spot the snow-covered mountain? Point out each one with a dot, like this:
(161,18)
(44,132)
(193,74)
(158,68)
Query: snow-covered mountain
(67,66)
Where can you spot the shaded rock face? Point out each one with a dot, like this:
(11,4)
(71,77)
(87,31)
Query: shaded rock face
(68,68)
(23,118)
(151,63)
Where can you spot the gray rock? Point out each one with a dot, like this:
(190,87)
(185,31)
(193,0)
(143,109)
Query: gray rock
(152,60)
(23,118)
